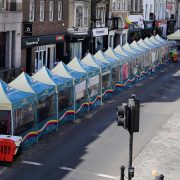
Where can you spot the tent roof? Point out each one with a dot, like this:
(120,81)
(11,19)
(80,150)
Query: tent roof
(110,52)
(147,41)
(25,83)
(11,98)
(65,71)
(136,46)
(44,75)
(127,47)
(105,58)
(121,51)
(161,39)
(61,70)
(174,36)
(143,44)
(152,39)
(80,66)
(89,59)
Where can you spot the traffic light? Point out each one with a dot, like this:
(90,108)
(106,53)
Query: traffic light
(123,115)
(136,116)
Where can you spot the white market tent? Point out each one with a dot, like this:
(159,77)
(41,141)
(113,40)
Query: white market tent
(174,36)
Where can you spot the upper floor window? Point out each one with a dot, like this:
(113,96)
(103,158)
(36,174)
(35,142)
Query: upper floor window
(3,4)
(51,10)
(100,15)
(31,10)
(85,16)
(41,10)
(60,10)
(113,4)
(79,16)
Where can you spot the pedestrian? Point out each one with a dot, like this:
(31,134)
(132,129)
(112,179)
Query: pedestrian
(66,58)
(87,52)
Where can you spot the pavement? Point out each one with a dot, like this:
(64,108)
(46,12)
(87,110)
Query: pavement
(163,152)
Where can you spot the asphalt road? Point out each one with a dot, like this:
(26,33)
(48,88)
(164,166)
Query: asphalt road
(93,148)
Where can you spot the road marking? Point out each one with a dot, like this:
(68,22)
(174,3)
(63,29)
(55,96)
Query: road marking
(90,173)
(32,163)
(2,170)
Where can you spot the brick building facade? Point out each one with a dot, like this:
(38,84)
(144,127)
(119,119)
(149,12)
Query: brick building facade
(44,32)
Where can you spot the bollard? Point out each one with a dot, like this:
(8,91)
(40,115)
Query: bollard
(122,172)
(161,177)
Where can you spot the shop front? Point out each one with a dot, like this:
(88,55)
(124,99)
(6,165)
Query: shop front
(79,45)
(161,28)
(148,30)
(39,51)
(99,39)
(170,26)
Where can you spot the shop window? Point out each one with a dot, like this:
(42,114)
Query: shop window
(24,119)
(100,15)
(46,108)
(51,10)
(60,10)
(31,10)
(41,10)
(79,16)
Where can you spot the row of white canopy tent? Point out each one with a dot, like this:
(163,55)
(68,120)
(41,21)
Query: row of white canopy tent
(67,90)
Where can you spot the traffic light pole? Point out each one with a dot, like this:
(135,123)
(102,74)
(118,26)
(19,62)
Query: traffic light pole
(130,153)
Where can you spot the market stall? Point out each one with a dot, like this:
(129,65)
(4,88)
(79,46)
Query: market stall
(79,82)
(45,102)
(143,52)
(17,110)
(154,52)
(104,77)
(134,71)
(113,63)
(92,81)
(64,90)
(129,57)
(119,70)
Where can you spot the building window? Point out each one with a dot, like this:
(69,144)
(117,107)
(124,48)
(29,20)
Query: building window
(31,10)
(100,15)
(51,10)
(41,10)
(113,4)
(60,10)
(79,16)
(4,4)
(86,17)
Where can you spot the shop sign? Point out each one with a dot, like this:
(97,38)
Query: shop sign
(28,28)
(28,42)
(100,32)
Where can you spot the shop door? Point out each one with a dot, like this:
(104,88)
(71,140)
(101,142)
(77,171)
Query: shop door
(76,50)
(40,60)
(51,56)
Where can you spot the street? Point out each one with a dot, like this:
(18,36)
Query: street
(94,147)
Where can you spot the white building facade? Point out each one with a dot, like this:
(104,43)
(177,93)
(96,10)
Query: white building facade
(10,38)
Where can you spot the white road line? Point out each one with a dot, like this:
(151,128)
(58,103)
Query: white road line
(2,169)
(90,173)
(107,176)
(32,163)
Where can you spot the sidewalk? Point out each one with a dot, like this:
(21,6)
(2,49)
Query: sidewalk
(162,153)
